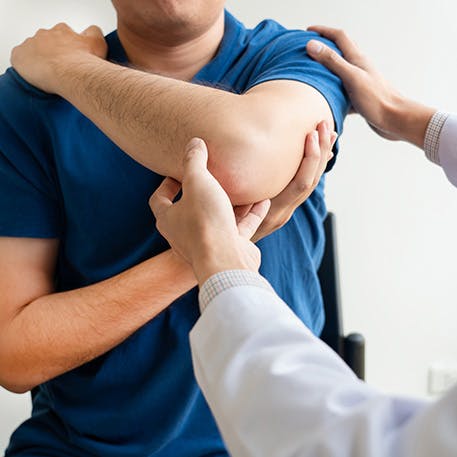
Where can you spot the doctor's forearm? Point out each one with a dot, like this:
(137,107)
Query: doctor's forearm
(276,390)
(409,120)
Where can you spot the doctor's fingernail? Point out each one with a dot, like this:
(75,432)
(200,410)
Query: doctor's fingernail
(314,47)
(193,144)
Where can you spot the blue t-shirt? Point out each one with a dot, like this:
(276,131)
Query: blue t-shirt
(62,177)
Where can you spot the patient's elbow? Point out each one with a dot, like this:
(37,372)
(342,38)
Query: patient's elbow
(16,388)
(13,376)
(249,168)
(241,185)
(13,384)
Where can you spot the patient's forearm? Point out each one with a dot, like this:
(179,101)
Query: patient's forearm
(58,332)
(152,117)
(255,140)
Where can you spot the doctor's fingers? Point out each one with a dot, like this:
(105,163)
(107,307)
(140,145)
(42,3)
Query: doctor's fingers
(351,52)
(327,139)
(195,159)
(300,187)
(318,151)
(332,60)
(248,224)
(162,199)
(305,180)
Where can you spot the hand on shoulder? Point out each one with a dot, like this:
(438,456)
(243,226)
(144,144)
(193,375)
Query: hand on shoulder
(43,59)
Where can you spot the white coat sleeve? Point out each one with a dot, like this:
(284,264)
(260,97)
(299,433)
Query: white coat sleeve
(447,150)
(440,144)
(277,390)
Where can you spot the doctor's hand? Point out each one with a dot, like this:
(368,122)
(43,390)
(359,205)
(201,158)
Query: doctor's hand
(388,113)
(201,226)
(317,152)
(42,59)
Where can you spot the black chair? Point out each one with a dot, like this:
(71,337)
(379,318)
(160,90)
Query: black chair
(351,347)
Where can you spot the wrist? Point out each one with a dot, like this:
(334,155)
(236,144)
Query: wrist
(409,120)
(68,72)
(215,258)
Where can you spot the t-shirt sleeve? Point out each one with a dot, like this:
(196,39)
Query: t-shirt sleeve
(29,204)
(285,57)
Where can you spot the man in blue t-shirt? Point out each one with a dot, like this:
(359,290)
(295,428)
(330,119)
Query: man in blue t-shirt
(95,309)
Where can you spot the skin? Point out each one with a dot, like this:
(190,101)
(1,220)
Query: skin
(178,49)
(390,114)
(386,111)
(168,22)
(208,206)
(255,140)
(215,240)
(61,61)
(120,305)
(44,334)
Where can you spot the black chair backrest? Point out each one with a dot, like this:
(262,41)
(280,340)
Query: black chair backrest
(328,274)
(351,347)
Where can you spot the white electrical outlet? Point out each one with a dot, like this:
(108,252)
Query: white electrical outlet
(441,377)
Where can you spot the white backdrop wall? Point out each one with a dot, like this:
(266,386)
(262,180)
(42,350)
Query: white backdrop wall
(397,216)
